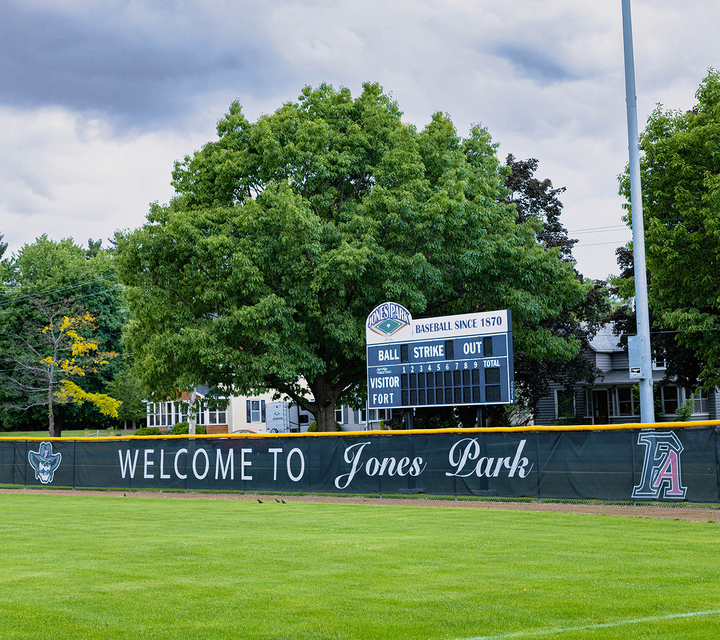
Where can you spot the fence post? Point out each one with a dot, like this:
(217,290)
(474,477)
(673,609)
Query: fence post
(455,437)
(12,473)
(537,475)
(632,454)
(309,452)
(74,461)
(717,458)
(378,457)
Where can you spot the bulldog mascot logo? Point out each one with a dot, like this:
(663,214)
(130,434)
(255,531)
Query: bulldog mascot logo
(45,462)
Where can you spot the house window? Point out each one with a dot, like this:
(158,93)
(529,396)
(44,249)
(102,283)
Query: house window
(256,411)
(151,414)
(167,413)
(564,403)
(342,415)
(700,401)
(588,404)
(628,401)
(670,399)
(217,416)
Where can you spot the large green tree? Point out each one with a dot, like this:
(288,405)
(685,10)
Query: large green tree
(285,233)
(680,169)
(57,296)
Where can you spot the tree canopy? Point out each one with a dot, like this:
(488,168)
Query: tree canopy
(285,233)
(57,299)
(680,169)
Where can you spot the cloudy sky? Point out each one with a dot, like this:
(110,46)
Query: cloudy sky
(99,97)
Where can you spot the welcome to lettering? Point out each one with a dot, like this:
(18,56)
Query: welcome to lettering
(201,462)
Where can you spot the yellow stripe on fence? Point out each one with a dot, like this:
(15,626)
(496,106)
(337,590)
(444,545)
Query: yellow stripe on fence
(535,428)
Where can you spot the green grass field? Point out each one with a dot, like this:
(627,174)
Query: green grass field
(133,567)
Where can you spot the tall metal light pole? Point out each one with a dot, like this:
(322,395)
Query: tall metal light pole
(647,412)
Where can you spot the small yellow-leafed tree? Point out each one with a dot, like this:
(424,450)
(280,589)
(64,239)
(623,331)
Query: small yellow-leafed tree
(62,353)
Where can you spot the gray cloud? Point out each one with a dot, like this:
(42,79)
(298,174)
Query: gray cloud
(98,97)
(140,67)
(533,63)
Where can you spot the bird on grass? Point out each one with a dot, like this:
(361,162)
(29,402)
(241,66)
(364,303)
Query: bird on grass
(260,501)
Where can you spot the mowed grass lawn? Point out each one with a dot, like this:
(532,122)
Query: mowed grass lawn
(88,567)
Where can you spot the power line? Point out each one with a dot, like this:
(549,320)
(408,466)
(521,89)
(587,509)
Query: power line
(620,227)
(51,304)
(75,285)
(597,244)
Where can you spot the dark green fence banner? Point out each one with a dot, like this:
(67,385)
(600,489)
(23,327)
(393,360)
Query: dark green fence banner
(632,465)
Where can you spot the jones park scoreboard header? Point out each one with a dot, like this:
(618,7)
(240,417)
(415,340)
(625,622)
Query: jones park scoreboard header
(452,360)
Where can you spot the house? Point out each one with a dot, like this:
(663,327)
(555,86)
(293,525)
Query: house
(613,397)
(241,413)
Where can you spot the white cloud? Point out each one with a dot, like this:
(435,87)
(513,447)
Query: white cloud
(70,176)
(545,77)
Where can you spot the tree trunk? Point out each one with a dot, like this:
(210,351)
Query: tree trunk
(325,416)
(326,389)
(192,413)
(53,428)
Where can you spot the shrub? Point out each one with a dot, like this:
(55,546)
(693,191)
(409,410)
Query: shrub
(148,431)
(183,428)
(684,413)
(313,426)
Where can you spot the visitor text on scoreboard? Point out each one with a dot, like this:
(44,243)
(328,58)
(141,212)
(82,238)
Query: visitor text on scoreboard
(451,360)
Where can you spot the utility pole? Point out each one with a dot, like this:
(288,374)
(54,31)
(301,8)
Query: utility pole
(647,412)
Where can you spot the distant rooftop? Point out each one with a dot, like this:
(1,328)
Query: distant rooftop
(606,341)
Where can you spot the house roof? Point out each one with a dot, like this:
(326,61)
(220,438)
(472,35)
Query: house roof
(605,341)
(622,376)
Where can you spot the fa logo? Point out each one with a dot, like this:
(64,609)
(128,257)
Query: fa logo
(45,462)
(661,467)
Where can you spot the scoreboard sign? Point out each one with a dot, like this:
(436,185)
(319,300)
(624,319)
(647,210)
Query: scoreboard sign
(452,360)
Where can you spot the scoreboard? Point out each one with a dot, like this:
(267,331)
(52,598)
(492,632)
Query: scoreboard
(452,360)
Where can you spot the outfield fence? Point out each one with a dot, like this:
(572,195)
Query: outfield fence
(660,462)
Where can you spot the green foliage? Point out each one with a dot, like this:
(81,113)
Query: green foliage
(182,428)
(127,387)
(681,205)
(43,284)
(682,366)
(285,233)
(684,412)
(313,427)
(148,431)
